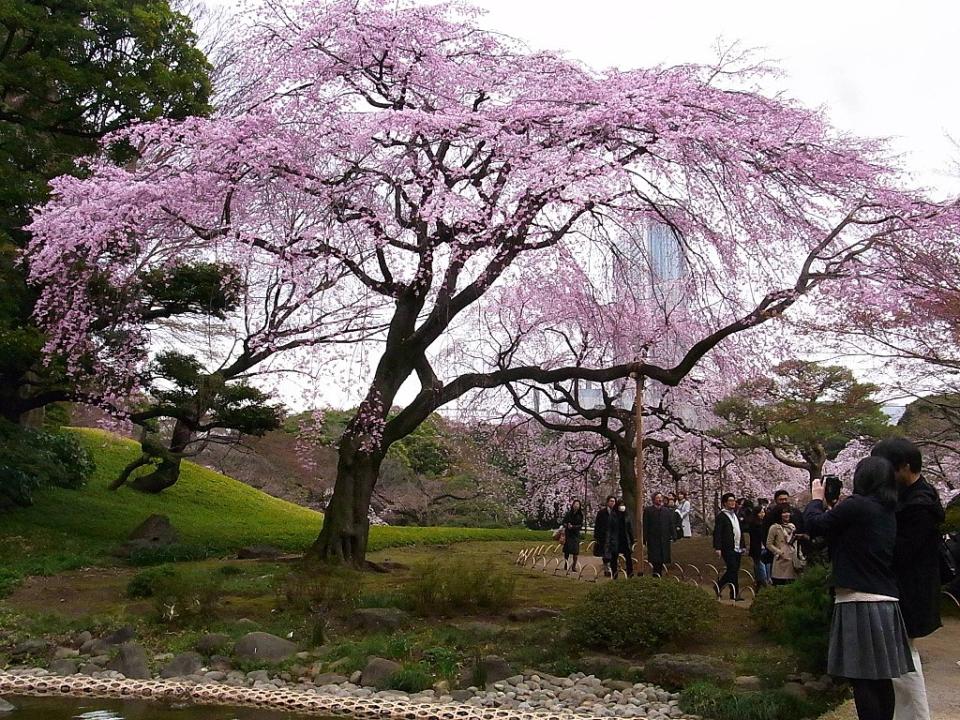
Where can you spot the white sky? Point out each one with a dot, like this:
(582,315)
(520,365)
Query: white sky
(880,68)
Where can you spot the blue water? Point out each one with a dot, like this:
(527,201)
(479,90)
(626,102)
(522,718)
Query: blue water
(29,708)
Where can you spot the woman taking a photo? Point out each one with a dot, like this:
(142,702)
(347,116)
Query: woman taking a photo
(780,543)
(572,526)
(868,640)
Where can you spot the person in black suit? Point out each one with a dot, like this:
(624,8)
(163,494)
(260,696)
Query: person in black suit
(605,541)
(728,541)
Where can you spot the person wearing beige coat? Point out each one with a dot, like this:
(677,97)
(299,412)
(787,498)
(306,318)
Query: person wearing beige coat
(779,542)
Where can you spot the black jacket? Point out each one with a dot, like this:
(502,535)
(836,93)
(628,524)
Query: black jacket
(572,525)
(860,534)
(723,537)
(600,524)
(659,525)
(915,557)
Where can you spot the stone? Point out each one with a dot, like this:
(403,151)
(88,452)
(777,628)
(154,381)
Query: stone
(89,668)
(355,677)
(184,664)
(245,622)
(620,685)
(29,648)
(441,687)
(601,664)
(259,552)
(6,707)
(263,646)
(131,662)
(378,672)
(212,643)
(748,682)
(220,662)
(64,652)
(96,647)
(533,613)
(121,635)
(157,529)
(379,619)
(677,671)
(329,678)
(80,638)
(64,666)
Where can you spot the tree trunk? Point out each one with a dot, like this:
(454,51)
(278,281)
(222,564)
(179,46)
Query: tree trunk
(168,471)
(346,523)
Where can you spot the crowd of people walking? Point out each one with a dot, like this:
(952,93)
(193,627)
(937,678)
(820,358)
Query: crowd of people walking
(883,542)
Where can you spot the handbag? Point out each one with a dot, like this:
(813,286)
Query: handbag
(766,556)
(559,535)
(799,561)
(949,550)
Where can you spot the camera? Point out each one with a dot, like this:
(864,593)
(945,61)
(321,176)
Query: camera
(831,488)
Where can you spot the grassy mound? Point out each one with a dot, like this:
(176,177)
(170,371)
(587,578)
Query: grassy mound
(66,529)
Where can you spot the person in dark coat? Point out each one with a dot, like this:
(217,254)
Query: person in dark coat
(755,525)
(624,542)
(601,525)
(868,639)
(729,541)
(915,564)
(659,529)
(572,527)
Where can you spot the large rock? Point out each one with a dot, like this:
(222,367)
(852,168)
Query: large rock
(492,669)
(96,646)
(212,643)
(29,648)
(132,662)
(188,663)
(379,619)
(263,646)
(156,531)
(329,678)
(378,672)
(677,671)
(533,613)
(601,665)
(64,666)
(259,552)
(6,707)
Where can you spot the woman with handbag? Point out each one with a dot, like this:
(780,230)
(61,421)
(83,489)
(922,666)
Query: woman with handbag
(571,529)
(780,542)
(755,530)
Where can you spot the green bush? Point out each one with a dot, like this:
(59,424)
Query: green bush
(186,598)
(718,703)
(144,583)
(640,614)
(459,586)
(31,459)
(318,594)
(411,678)
(797,616)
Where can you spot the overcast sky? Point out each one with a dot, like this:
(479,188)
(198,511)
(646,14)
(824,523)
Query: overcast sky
(882,68)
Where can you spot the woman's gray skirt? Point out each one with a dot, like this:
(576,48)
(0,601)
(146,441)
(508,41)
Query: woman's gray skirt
(868,641)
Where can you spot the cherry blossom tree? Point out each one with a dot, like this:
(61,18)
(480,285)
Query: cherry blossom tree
(432,159)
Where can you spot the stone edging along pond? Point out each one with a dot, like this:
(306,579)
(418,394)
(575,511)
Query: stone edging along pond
(288,700)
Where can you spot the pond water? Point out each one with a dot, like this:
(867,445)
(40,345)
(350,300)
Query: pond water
(30,708)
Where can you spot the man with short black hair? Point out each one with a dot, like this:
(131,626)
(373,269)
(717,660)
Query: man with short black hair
(915,564)
(605,529)
(729,541)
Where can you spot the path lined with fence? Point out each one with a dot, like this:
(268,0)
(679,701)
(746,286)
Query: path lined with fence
(548,558)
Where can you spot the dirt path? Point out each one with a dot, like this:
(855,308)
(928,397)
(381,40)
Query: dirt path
(940,654)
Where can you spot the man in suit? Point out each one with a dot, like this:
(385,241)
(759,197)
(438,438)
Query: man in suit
(659,524)
(729,541)
(605,540)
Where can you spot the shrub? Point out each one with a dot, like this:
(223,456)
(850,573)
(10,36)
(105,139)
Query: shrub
(459,586)
(443,661)
(144,556)
(325,591)
(797,616)
(718,703)
(31,459)
(185,598)
(640,614)
(143,584)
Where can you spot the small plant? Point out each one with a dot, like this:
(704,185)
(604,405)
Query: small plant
(182,599)
(319,595)
(411,678)
(443,661)
(145,556)
(640,614)
(459,586)
(230,570)
(143,584)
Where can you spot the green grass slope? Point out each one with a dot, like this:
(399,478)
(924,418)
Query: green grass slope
(67,529)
